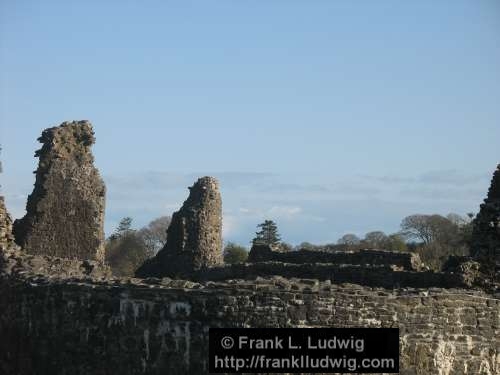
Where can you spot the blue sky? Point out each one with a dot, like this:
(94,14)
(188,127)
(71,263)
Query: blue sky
(326,116)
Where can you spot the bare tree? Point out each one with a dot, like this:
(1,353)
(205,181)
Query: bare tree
(428,228)
(417,227)
(349,239)
(458,219)
(376,239)
(154,234)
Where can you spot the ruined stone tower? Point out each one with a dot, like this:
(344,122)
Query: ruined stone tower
(194,237)
(485,244)
(65,211)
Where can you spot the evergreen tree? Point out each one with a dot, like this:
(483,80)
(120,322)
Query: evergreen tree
(268,234)
(124,226)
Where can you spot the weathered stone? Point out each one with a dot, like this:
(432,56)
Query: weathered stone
(375,276)
(87,327)
(404,260)
(6,237)
(16,262)
(194,237)
(62,316)
(260,253)
(65,211)
(485,243)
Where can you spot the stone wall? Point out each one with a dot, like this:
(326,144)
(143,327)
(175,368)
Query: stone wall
(17,263)
(6,237)
(378,276)
(485,243)
(160,327)
(61,313)
(407,261)
(65,211)
(194,237)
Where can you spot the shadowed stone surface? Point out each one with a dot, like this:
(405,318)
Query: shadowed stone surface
(62,316)
(485,244)
(18,263)
(161,326)
(6,237)
(407,261)
(194,237)
(65,211)
(373,276)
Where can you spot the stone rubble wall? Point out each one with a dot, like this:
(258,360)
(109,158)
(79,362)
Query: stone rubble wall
(61,312)
(404,260)
(15,262)
(161,326)
(485,243)
(376,276)
(65,211)
(6,236)
(194,237)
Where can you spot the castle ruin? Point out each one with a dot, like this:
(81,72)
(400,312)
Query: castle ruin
(61,315)
(65,211)
(485,244)
(194,237)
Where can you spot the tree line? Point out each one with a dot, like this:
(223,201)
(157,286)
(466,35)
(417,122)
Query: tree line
(433,237)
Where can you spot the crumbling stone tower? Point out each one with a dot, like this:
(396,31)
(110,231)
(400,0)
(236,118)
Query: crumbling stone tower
(485,244)
(65,211)
(194,237)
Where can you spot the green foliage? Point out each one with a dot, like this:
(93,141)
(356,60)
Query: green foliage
(268,234)
(124,225)
(234,253)
(379,240)
(395,242)
(125,254)
(126,249)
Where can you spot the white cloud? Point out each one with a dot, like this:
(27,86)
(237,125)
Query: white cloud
(312,210)
(172,206)
(229,225)
(274,212)
(450,177)
(287,212)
